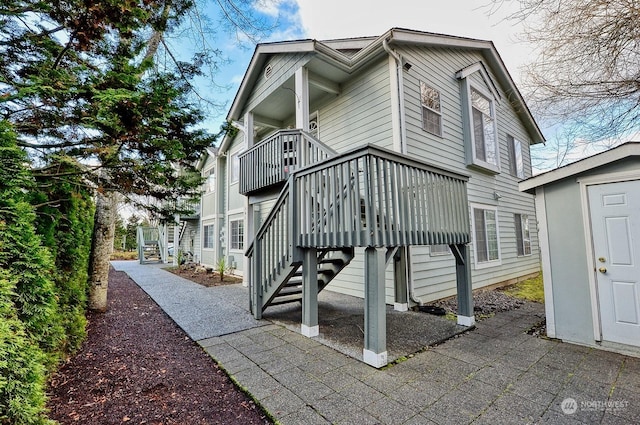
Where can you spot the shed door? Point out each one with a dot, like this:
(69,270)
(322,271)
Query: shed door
(615,226)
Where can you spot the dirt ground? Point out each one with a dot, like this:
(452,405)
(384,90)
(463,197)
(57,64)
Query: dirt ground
(202,276)
(138,367)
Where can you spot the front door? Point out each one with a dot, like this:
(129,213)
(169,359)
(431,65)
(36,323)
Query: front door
(615,226)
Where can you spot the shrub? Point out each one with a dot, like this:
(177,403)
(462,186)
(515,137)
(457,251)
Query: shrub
(22,253)
(22,374)
(65,221)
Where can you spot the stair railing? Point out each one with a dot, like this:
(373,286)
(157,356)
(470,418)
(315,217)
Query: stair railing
(272,251)
(272,160)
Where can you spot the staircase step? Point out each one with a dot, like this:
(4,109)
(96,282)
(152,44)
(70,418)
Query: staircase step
(291,290)
(286,300)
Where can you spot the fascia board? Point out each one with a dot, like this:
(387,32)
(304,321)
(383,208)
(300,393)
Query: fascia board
(623,151)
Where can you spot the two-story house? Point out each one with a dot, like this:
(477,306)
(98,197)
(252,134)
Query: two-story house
(381,167)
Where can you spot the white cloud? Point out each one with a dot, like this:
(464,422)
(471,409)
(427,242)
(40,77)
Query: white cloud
(268,7)
(328,19)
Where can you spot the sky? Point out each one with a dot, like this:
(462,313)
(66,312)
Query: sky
(327,19)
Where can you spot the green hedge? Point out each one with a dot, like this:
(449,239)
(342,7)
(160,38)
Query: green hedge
(31,332)
(65,221)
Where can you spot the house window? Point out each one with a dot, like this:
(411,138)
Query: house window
(485,140)
(237,234)
(431,113)
(210,182)
(485,230)
(523,236)
(235,168)
(516,164)
(435,250)
(207,236)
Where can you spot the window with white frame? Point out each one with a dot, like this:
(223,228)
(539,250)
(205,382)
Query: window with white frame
(483,124)
(235,168)
(210,182)
(435,250)
(237,234)
(523,235)
(485,232)
(431,112)
(207,236)
(516,163)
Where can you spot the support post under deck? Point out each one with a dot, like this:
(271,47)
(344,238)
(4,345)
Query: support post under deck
(375,324)
(309,327)
(463,284)
(400,279)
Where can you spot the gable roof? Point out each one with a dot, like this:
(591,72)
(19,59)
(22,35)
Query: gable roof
(352,53)
(603,158)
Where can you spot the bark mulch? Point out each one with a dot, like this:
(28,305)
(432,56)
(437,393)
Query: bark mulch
(202,276)
(137,366)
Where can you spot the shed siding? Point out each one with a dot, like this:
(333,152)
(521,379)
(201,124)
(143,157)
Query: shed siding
(568,262)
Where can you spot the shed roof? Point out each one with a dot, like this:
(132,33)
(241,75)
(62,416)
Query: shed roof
(603,158)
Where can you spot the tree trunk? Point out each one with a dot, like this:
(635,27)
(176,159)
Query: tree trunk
(101,249)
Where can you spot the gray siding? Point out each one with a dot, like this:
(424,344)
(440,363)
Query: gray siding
(361,113)
(284,67)
(350,280)
(435,276)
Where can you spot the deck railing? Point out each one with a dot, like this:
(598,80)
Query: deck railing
(374,197)
(271,161)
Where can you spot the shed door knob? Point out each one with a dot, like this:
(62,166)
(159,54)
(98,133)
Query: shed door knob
(602,269)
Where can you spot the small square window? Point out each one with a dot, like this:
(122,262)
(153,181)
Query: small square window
(431,112)
(523,235)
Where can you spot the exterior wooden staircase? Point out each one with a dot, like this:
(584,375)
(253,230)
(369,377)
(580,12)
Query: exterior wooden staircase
(367,197)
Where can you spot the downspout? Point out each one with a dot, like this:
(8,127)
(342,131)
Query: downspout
(400,79)
(403,150)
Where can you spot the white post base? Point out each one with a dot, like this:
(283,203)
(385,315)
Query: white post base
(401,306)
(310,331)
(466,320)
(376,360)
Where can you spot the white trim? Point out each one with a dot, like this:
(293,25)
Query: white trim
(401,306)
(547,277)
(309,331)
(235,212)
(617,177)
(482,70)
(466,320)
(585,182)
(376,360)
(490,263)
(623,151)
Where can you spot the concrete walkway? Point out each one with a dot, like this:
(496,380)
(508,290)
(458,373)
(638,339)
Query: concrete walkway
(495,374)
